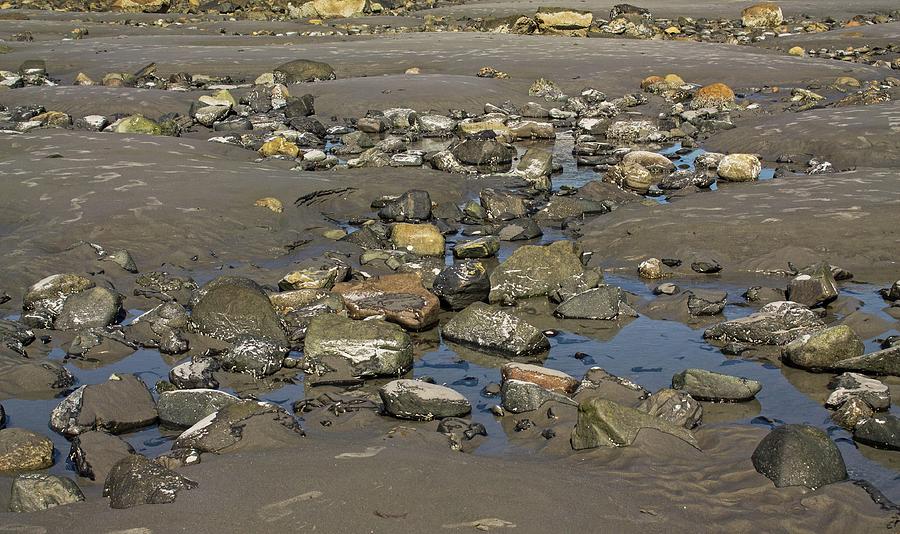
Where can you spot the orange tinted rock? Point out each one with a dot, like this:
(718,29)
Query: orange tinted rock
(401,298)
(549,379)
(714,95)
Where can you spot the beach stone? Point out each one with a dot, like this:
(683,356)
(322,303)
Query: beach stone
(241,426)
(92,308)
(138,124)
(549,379)
(632,176)
(34,492)
(633,131)
(185,407)
(604,423)
(420,239)
(208,115)
(853,411)
(657,164)
(762,15)
(95,453)
(853,385)
(299,106)
(534,270)
(303,70)
(676,407)
(715,387)
(534,166)
(519,396)
(880,431)
(562,20)
(882,362)
(400,298)
(821,350)
(15,336)
(483,151)
(816,287)
(716,95)
(706,302)
(421,401)
(340,8)
(492,330)
(49,294)
(357,348)
(24,450)
(197,373)
(891,293)
(123,259)
(483,247)
(519,230)
(652,268)
(120,404)
(279,146)
(311,278)
(136,480)
(604,302)
(140,6)
(739,168)
(432,125)
(20,376)
(257,357)
(799,455)
(777,323)
(502,206)
(414,205)
(230,307)
(461,284)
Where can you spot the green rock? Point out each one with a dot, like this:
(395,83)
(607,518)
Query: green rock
(483,247)
(799,455)
(823,349)
(882,362)
(231,307)
(138,124)
(34,492)
(533,271)
(24,450)
(709,386)
(345,348)
(603,423)
(303,70)
(492,330)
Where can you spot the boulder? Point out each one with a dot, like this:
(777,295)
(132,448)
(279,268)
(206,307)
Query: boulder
(140,6)
(853,385)
(652,268)
(882,362)
(502,206)
(716,95)
(241,426)
(303,70)
(852,412)
(656,163)
(483,247)
(776,323)
(196,373)
(340,8)
(533,271)
(821,350)
(400,298)
(412,205)
(633,176)
(535,167)
(34,492)
(816,287)
(461,284)
(676,407)
(762,15)
(880,431)
(230,307)
(414,399)
(549,379)
(706,302)
(419,239)
(94,307)
(554,18)
(20,376)
(44,300)
(604,302)
(256,357)
(715,387)
(491,330)
(136,480)
(483,152)
(603,423)
(892,293)
(185,407)
(137,124)
(279,146)
(24,450)
(739,168)
(519,396)
(120,404)
(358,349)
(799,455)
(95,453)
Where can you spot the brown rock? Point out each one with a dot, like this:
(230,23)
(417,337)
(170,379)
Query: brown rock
(550,379)
(401,298)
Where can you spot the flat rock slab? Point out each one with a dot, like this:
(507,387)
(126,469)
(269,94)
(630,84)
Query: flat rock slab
(603,423)
(492,330)
(95,453)
(414,399)
(246,425)
(137,480)
(346,348)
(716,387)
(118,405)
(401,298)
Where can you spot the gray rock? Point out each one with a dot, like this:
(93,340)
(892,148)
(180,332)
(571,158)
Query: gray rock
(230,307)
(799,455)
(15,336)
(208,115)
(123,259)
(501,205)
(431,125)
(716,387)
(303,70)
(519,396)
(24,450)
(852,385)
(185,407)
(242,426)
(118,405)
(882,362)
(20,376)
(92,308)
(881,432)
(821,350)
(136,480)
(676,407)
(891,293)
(777,323)
(483,152)
(605,302)
(95,453)
(704,302)
(414,399)
(197,373)
(34,492)
(533,271)
(253,356)
(521,229)
(462,284)
(603,423)
(44,300)
(412,205)
(815,288)
(492,330)
(344,347)
(852,412)
(300,106)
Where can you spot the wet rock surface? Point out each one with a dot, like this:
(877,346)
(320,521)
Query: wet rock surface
(799,455)
(137,480)
(492,330)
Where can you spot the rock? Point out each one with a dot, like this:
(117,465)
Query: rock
(92,308)
(34,492)
(184,408)
(533,271)
(340,8)
(706,267)
(231,307)
(209,115)
(603,423)
(137,124)
(705,302)
(762,15)
(303,70)
(821,350)
(560,20)
(549,379)
(483,152)
(739,168)
(519,396)
(799,455)
(716,95)
(797,51)
(604,302)
(15,336)
(136,480)
(652,268)
(140,6)
(777,323)
(815,288)
(118,405)
(632,176)
(412,205)
(123,259)
(535,166)
(431,125)
(242,426)
(257,357)
(400,298)
(299,106)
(357,348)
(636,131)
(882,362)
(853,411)
(312,278)
(852,385)
(502,206)
(279,146)
(657,164)
(24,450)
(715,387)
(23,377)
(545,89)
(414,399)
(197,373)
(483,247)
(44,300)
(891,293)
(461,284)
(676,407)
(419,239)
(881,432)
(492,330)
(95,453)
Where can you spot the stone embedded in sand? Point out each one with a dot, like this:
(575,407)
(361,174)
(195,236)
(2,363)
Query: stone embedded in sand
(140,6)
(856,386)
(633,176)
(400,298)
(269,202)
(14,337)
(821,350)
(94,307)
(882,362)
(715,95)
(20,376)
(357,349)
(520,396)
(816,287)
(492,330)
(776,323)
(562,20)
(118,405)
(762,15)
(257,357)
(706,302)
(603,423)
(94,453)
(798,51)
(533,270)
(340,8)
(546,89)
(34,492)
(603,303)
(799,455)
(184,408)
(461,284)
(24,450)
(652,268)
(414,399)
(414,205)
(880,431)
(230,307)
(715,387)
(482,247)
(547,378)
(892,293)
(739,168)
(83,79)
(676,407)
(137,480)
(209,115)
(279,146)
(241,426)
(481,151)
(138,124)
(303,70)
(47,296)
(420,239)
